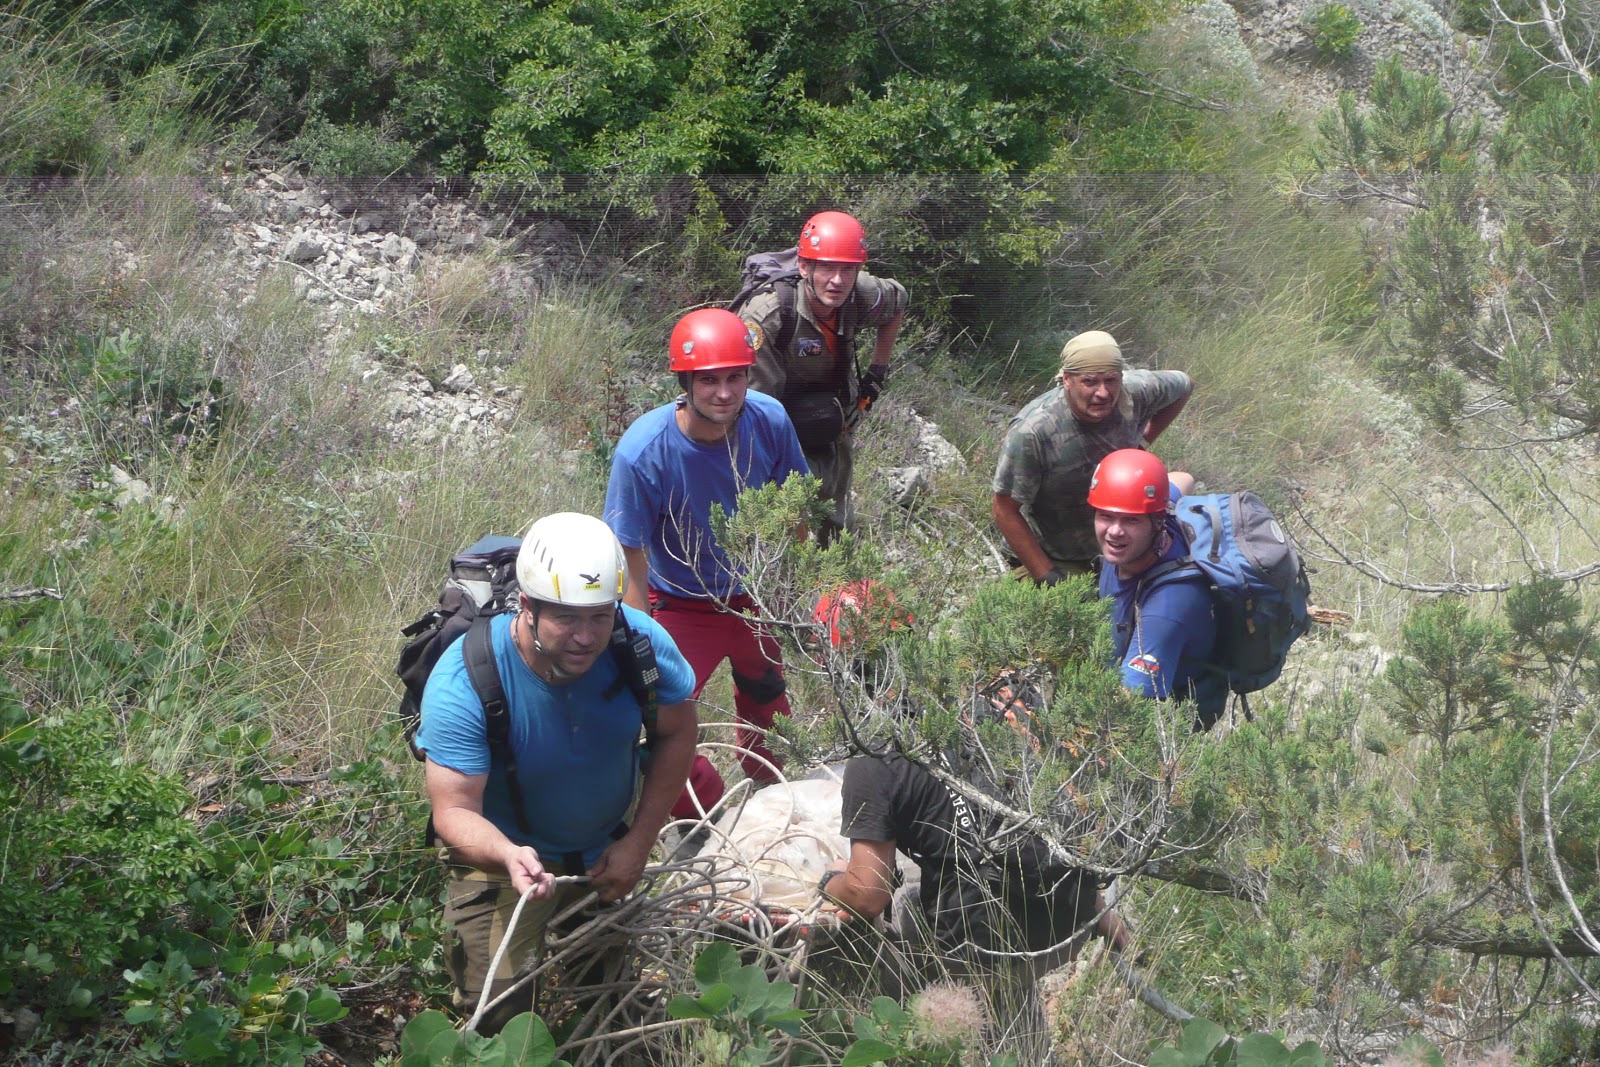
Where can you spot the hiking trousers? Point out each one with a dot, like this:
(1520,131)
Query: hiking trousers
(707,634)
(479,906)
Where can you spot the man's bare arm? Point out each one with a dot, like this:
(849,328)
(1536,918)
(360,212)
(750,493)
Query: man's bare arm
(473,840)
(1163,417)
(883,344)
(1019,535)
(865,885)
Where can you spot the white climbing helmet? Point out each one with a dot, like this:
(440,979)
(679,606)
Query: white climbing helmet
(573,559)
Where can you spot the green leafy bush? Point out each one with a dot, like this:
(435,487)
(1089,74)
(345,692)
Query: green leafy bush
(1335,30)
(429,1040)
(220,927)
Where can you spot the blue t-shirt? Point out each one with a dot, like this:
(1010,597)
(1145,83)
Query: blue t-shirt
(663,484)
(576,751)
(1167,650)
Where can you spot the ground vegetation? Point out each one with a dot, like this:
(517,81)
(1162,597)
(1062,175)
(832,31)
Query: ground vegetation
(210,528)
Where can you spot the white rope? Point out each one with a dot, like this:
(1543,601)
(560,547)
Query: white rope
(484,1004)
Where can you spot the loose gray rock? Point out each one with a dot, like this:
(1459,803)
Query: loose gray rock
(907,485)
(935,452)
(459,380)
(303,248)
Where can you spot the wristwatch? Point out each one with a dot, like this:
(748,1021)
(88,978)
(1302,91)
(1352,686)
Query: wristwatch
(827,876)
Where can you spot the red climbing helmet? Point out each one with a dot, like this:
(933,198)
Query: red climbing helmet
(851,607)
(833,236)
(710,339)
(1129,481)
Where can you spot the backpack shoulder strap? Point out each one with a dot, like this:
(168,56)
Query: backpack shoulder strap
(638,670)
(477,649)
(1158,574)
(788,292)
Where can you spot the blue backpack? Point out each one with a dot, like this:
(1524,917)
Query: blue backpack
(1259,589)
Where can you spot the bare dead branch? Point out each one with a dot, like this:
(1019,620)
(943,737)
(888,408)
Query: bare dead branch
(36,593)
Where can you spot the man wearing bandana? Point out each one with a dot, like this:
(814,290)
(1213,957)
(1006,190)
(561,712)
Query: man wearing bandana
(1052,445)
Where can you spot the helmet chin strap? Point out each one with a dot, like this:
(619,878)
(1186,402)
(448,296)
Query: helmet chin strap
(1158,544)
(554,670)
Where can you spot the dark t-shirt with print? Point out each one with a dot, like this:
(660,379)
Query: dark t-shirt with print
(1020,899)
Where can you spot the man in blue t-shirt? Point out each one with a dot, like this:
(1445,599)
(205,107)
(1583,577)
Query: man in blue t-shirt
(1164,630)
(670,467)
(570,806)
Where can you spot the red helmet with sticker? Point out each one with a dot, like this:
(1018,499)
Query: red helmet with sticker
(833,236)
(848,611)
(1130,481)
(710,339)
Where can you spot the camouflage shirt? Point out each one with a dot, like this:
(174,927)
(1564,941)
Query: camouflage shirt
(1049,456)
(805,365)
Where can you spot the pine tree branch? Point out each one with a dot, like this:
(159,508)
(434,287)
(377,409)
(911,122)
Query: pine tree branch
(1378,574)
(1218,882)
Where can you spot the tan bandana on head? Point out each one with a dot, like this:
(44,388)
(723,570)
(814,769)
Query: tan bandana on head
(1096,352)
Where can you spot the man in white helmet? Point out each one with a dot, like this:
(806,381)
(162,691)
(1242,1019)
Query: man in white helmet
(564,799)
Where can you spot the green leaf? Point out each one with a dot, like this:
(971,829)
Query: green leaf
(1262,1050)
(528,1041)
(780,996)
(446,1047)
(749,989)
(325,1007)
(421,1030)
(683,1006)
(1168,1057)
(717,998)
(1419,1050)
(1200,1036)
(869,1050)
(716,963)
(889,1013)
(1307,1054)
(142,1013)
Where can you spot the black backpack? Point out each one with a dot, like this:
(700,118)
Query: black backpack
(482,584)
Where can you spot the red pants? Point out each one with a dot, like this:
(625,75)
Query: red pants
(706,635)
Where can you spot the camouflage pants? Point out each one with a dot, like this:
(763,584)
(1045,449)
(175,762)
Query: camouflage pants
(835,466)
(1068,567)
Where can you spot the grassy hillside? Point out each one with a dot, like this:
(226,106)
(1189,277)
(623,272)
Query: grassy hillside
(211,531)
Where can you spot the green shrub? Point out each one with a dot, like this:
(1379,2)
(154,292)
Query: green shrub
(349,150)
(1335,30)
(220,923)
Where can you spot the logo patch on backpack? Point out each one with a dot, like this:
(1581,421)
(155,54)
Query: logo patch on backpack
(1145,664)
(809,346)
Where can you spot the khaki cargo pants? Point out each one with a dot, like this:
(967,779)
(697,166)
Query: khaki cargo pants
(479,905)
